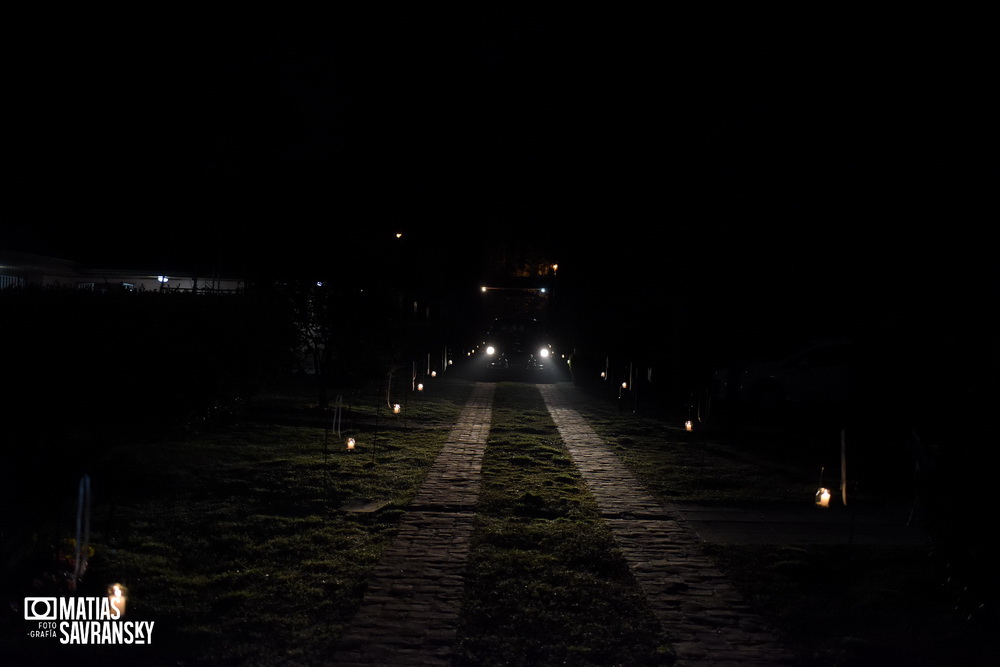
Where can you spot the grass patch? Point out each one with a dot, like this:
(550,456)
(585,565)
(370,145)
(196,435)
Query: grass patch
(836,605)
(872,605)
(547,584)
(231,540)
(689,467)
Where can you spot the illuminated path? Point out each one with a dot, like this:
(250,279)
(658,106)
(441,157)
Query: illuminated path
(410,613)
(707,620)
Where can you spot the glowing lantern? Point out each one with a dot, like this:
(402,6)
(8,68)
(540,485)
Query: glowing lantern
(117,597)
(688,426)
(396,409)
(434,374)
(823,497)
(420,386)
(350,444)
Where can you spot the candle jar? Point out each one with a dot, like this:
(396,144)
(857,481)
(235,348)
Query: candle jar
(117,596)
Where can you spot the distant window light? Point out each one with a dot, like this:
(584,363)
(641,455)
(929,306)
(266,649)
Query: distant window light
(128,287)
(11,281)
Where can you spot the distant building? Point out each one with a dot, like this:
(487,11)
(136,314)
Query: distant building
(24,270)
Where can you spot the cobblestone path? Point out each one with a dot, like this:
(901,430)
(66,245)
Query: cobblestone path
(410,613)
(709,622)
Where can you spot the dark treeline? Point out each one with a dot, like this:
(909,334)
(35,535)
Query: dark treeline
(81,365)
(84,372)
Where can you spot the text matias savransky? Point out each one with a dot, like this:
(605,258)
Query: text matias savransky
(84,620)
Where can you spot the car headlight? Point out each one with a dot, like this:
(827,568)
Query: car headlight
(544,353)
(490,350)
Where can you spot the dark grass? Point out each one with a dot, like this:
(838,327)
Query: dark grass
(835,604)
(232,540)
(859,606)
(782,464)
(547,585)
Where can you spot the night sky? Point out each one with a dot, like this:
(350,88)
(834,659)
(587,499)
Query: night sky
(810,155)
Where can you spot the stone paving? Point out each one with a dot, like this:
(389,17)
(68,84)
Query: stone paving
(708,620)
(410,613)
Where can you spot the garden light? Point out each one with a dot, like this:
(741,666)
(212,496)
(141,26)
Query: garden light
(823,497)
(117,597)
(350,444)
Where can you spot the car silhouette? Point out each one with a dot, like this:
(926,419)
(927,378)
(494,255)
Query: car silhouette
(517,344)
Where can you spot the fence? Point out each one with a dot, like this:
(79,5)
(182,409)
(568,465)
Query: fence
(11,281)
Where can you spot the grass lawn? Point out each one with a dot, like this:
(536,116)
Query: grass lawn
(234,542)
(836,604)
(547,584)
(872,605)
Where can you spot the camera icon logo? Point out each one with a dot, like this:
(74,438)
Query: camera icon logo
(40,609)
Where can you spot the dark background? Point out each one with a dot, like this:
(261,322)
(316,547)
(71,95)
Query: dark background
(806,169)
(712,183)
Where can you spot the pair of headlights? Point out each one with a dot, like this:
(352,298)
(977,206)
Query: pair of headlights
(543,353)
